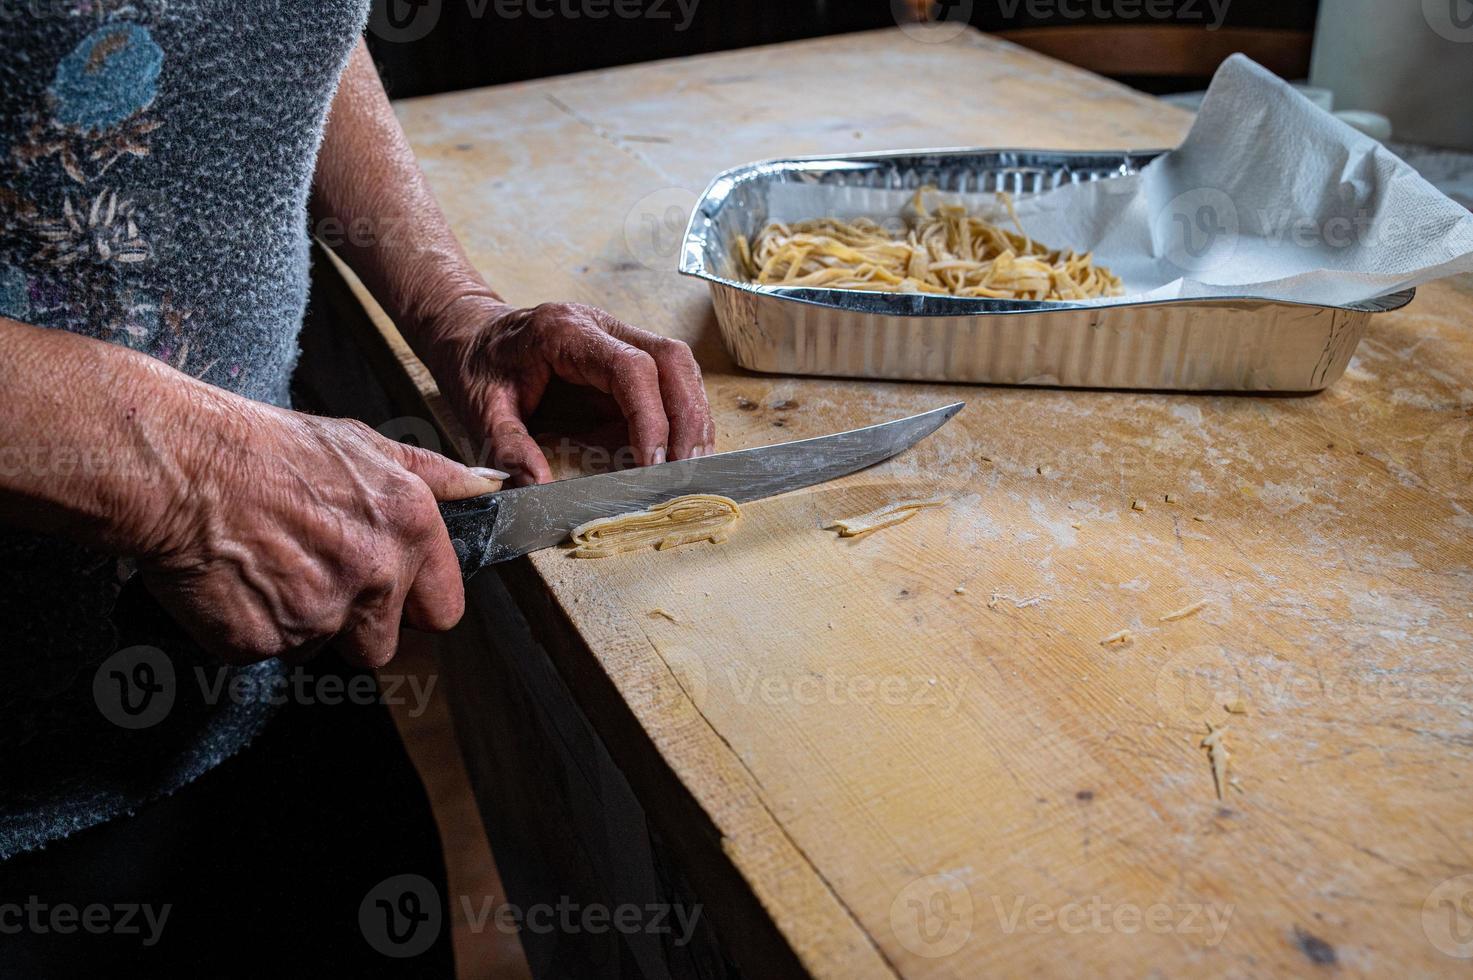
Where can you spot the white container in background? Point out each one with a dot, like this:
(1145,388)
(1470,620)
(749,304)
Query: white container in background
(1410,60)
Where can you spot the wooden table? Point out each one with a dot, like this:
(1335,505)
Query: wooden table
(910,754)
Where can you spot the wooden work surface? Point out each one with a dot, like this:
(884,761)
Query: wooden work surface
(914,749)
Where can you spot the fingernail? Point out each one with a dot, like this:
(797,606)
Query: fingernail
(659,455)
(486,473)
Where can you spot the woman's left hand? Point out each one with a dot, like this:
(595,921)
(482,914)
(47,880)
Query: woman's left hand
(495,361)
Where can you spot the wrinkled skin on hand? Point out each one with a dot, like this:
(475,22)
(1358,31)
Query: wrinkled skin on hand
(301,530)
(495,363)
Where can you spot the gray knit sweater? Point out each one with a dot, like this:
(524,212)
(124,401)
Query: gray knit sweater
(155,162)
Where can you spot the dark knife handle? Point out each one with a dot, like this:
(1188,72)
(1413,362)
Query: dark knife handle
(472,527)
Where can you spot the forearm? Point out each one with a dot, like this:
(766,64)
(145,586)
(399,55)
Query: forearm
(493,362)
(372,205)
(94,438)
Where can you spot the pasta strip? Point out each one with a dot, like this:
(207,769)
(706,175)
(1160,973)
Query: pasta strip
(1218,755)
(682,520)
(1185,611)
(946,251)
(886,516)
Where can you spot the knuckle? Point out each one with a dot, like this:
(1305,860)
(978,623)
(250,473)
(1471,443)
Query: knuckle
(506,429)
(429,530)
(423,518)
(415,456)
(355,565)
(399,525)
(445,610)
(404,486)
(545,315)
(511,451)
(635,364)
(320,622)
(673,349)
(678,355)
(373,593)
(369,638)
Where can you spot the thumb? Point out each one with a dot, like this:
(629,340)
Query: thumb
(447,479)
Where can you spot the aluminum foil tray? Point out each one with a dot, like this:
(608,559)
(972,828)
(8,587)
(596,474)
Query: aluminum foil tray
(1242,343)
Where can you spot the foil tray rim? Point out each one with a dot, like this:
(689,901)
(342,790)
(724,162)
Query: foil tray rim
(693,264)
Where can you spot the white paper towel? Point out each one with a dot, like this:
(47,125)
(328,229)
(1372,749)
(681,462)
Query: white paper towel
(1268,196)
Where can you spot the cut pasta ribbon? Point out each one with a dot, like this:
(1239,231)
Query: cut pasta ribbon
(886,516)
(1185,611)
(1218,755)
(946,251)
(683,520)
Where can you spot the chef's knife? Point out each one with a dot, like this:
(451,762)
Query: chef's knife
(509,523)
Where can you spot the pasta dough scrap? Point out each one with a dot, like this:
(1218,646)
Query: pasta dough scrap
(682,520)
(1217,753)
(886,516)
(1185,611)
(946,251)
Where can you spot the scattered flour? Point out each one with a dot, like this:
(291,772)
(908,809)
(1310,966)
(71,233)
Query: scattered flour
(1064,535)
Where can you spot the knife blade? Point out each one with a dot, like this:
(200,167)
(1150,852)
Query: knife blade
(509,523)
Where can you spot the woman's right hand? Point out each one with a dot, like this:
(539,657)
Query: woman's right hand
(295,530)
(264,532)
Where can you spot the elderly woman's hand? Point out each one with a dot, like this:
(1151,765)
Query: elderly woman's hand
(265,532)
(296,530)
(494,362)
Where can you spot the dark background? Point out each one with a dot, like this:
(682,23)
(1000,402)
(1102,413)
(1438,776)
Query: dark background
(428,46)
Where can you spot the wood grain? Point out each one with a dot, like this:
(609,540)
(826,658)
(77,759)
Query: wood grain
(916,752)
